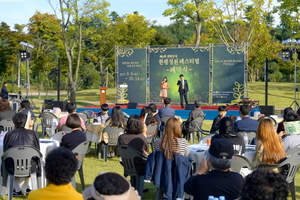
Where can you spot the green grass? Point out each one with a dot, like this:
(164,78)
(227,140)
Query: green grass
(281,95)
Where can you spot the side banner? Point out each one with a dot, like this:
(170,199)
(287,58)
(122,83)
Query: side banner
(131,75)
(228,74)
(193,63)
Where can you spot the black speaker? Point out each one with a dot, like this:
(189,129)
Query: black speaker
(267,110)
(132,105)
(60,104)
(189,106)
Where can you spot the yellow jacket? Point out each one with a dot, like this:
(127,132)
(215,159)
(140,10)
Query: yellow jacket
(55,192)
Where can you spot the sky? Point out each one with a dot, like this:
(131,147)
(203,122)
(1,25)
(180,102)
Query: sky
(19,11)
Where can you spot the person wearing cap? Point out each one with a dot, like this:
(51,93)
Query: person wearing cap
(110,186)
(60,167)
(214,176)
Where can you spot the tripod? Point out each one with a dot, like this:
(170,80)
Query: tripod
(295,103)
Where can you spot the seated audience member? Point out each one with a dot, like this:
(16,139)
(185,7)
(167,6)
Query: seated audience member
(172,142)
(146,116)
(110,186)
(102,116)
(290,140)
(134,138)
(263,184)
(166,111)
(298,112)
(71,109)
(16,137)
(197,112)
(222,110)
(25,106)
(76,137)
(5,110)
(226,132)
(60,167)
(246,123)
(153,109)
(6,113)
(280,127)
(116,118)
(269,147)
(214,176)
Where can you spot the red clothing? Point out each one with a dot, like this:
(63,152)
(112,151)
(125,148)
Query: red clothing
(63,120)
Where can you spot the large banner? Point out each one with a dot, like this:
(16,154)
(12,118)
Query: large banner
(228,74)
(131,84)
(193,63)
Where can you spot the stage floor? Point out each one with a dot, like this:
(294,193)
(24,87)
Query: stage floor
(210,111)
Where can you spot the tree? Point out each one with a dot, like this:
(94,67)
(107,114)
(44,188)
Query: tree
(47,36)
(195,12)
(75,14)
(10,48)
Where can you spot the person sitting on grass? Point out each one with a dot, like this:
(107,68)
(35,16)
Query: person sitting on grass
(60,167)
(110,186)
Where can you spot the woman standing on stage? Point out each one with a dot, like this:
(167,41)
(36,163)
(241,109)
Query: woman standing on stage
(164,85)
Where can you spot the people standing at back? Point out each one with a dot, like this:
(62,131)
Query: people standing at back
(269,147)
(5,110)
(103,115)
(166,110)
(4,92)
(226,132)
(222,110)
(71,109)
(246,123)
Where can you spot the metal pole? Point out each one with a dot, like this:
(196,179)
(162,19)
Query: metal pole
(295,79)
(19,71)
(266,81)
(27,74)
(58,80)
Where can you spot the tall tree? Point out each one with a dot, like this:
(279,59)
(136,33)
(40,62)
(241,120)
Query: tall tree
(75,14)
(47,36)
(195,12)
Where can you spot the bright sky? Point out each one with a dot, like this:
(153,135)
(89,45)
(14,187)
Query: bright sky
(19,11)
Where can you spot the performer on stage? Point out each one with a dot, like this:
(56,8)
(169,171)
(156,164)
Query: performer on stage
(183,89)
(164,85)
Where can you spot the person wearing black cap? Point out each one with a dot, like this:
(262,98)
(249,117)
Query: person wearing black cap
(214,177)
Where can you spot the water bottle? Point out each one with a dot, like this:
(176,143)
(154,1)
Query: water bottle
(211,197)
(221,198)
(246,139)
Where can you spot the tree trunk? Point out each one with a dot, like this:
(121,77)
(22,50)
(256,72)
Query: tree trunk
(198,33)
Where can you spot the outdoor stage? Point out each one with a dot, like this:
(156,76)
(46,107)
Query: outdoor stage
(210,111)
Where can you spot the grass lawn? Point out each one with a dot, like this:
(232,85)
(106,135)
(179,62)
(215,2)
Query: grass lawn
(280,94)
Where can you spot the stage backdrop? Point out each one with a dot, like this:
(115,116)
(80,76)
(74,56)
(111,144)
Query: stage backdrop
(228,74)
(193,63)
(131,83)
